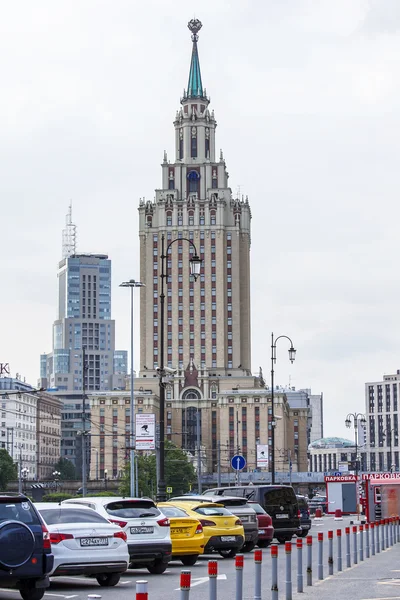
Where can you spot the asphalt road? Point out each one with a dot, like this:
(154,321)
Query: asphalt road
(166,586)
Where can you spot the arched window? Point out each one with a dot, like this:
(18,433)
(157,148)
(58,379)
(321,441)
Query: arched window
(191,394)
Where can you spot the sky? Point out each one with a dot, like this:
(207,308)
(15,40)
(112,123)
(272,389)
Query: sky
(307,98)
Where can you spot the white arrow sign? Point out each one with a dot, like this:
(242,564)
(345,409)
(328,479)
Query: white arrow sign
(199,580)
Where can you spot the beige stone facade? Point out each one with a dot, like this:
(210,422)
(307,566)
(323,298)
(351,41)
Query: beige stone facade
(48,434)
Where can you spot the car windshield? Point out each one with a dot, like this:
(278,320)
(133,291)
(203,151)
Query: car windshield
(53,516)
(210,511)
(172,511)
(132,509)
(258,508)
(279,496)
(18,510)
(302,502)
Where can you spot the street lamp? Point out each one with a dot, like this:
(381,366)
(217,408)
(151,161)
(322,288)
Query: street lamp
(105,478)
(195,266)
(132,284)
(356,418)
(24,473)
(292,356)
(390,433)
(56,476)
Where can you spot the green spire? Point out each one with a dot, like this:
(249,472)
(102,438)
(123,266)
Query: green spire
(195,86)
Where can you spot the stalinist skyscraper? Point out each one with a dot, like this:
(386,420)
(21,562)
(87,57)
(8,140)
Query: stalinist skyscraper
(207,323)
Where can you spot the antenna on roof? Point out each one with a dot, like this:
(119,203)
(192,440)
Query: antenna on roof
(69,235)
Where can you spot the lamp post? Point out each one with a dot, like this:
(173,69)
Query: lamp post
(390,433)
(24,474)
(356,418)
(56,477)
(292,356)
(195,266)
(132,284)
(105,478)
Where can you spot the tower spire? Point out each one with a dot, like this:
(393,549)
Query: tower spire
(195,86)
(69,235)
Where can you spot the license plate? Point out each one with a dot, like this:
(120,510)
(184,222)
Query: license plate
(142,529)
(228,538)
(244,519)
(178,530)
(283,516)
(261,531)
(99,541)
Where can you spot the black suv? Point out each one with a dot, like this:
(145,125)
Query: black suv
(305,519)
(279,501)
(25,550)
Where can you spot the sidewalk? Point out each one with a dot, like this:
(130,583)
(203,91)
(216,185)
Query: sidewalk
(376,578)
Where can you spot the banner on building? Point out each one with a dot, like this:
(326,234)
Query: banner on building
(145,431)
(262,456)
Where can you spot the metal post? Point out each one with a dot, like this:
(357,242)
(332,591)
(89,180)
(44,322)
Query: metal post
(372,527)
(84,371)
(288,583)
(330,552)
(258,571)
(355,548)
(382,527)
(274,572)
(239,563)
(132,407)
(391,530)
(309,559)
(272,448)
(378,543)
(320,555)
(367,548)
(361,543)
(161,487)
(219,464)
(387,542)
(299,545)
(198,444)
(339,549)
(185,584)
(348,555)
(212,579)
(141,589)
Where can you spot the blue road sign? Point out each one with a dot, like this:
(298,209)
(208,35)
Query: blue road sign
(238,462)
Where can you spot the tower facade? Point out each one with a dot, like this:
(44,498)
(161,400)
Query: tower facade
(208,322)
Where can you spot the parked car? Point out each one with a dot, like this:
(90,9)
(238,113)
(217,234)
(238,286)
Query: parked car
(85,543)
(305,519)
(240,508)
(146,527)
(279,501)
(265,527)
(223,531)
(318,501)
(25,550)
(186,534)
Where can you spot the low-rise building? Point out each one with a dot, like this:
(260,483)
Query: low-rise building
(48,431)
(331,454)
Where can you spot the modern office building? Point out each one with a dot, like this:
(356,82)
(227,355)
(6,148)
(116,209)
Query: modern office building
(207,323)
(382,430)
(83,323)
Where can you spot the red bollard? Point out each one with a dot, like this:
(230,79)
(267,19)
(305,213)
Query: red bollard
(185,584)
(212,578)
(309,559)
(141,590)
(330,552)
(258,572)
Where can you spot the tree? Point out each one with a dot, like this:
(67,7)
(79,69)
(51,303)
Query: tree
(179,472)
(8,470)
(66,468)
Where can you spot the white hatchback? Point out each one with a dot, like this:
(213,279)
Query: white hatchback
(84,543)
(146,527)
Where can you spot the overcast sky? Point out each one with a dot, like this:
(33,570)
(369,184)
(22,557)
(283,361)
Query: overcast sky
(307,98)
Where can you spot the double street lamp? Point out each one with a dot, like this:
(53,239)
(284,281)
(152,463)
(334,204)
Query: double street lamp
(134,487)
(195,266)
(56,477)
(356,419)
(390,435)
(292,356)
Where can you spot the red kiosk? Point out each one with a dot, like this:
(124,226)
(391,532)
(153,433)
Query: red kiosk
(381,495)
(341,493)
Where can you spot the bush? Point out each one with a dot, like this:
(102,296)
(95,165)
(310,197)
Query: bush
(105,494)
(56,497)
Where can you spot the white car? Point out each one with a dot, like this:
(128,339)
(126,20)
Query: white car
(146,527)
(84,543)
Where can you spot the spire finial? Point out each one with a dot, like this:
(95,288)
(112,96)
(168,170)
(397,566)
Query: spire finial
(194,26)
(69,235)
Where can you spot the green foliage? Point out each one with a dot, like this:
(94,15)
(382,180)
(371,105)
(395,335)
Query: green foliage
(66,468)
(56,497)
(179,473)
(105,494)
(8,470)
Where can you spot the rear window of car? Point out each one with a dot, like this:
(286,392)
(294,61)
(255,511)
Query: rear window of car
(132,509)
(18,510)
(53,516)
(302,502)
(258,508)
(240,502)
(283,495)
(210,511)
(173,511)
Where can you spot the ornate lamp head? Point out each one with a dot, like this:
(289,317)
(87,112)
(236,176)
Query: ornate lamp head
(194,26)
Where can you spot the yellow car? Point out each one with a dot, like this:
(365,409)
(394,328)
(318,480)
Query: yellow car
(186,534)
(223,531)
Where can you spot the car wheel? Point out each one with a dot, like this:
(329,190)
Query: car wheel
(157,568)
(304,533)
(263,543)
(228,553)
(108,579)
(248,547)
(30,593)
(189,561)
(283,538)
